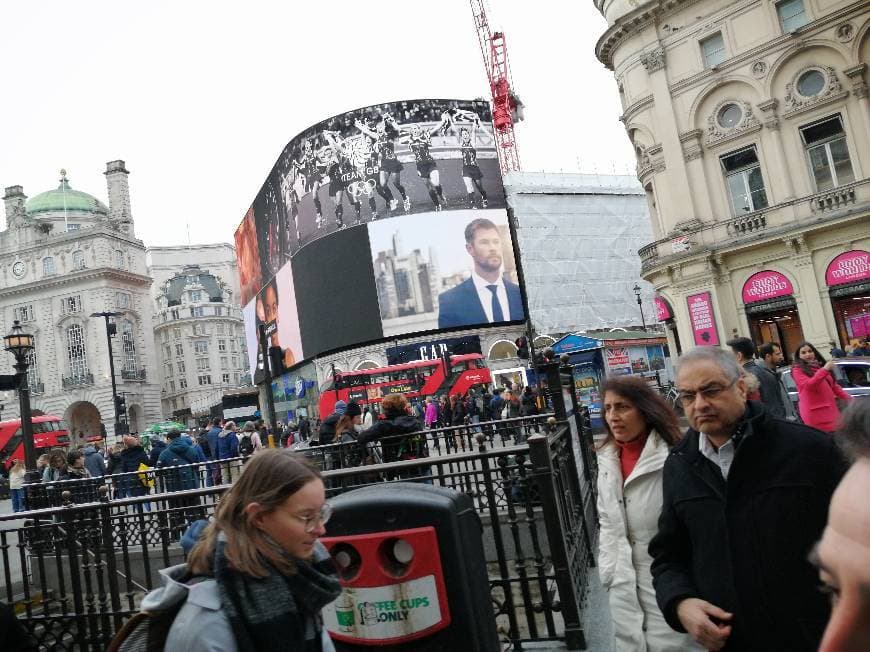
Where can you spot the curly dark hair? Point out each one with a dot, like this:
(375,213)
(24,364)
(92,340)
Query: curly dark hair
(658,415)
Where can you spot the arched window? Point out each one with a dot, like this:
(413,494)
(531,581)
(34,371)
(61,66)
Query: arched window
(128,344)
(75,351)
(366,364)
(503,350)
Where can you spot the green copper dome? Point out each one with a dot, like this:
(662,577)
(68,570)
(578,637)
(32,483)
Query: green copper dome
(62,198)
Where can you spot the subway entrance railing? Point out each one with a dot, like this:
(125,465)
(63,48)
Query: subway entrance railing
(77,569)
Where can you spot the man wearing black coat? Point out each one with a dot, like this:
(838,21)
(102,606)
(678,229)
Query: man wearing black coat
(745,497)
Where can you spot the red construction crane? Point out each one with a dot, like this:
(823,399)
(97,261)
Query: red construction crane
(506,106)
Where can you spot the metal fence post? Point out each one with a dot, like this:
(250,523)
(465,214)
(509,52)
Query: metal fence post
(542,470)
(69,526)
(109,551)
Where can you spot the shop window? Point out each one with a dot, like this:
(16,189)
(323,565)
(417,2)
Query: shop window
(828,153)
(713,49)
(744,181)
(792,15)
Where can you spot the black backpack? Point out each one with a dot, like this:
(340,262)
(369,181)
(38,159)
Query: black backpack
(246,445)
(202,440)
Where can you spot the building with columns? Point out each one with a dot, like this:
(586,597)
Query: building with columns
(198,326)
(64,256)
(751,125)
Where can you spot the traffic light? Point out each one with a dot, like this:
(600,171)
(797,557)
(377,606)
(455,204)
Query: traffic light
(121,407)
(522,347)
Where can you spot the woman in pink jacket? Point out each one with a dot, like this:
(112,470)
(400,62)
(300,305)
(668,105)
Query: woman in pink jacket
(430,417)
(817,390)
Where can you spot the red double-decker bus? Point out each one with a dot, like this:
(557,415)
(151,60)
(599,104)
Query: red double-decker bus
(413,379)
(48,432)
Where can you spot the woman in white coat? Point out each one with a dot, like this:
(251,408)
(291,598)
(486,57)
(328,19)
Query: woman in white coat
(641,428)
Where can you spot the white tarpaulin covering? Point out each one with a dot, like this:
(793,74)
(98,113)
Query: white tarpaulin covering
(578,236)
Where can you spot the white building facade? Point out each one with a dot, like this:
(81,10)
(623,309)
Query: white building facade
(751,125)
(198,327)
(64,256)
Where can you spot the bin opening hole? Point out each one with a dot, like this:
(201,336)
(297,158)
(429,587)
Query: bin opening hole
(396,556)
(347,559)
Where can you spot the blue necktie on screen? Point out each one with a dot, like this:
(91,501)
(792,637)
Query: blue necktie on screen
(497,314)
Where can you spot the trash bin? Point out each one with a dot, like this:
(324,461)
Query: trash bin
(412,566)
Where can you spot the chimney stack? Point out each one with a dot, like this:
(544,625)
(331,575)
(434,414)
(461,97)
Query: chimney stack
(13,200)
(119,191)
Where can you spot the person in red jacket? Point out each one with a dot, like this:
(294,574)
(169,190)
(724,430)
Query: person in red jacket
(817,390)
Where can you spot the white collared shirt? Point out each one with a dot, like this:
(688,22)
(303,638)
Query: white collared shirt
(485,296)
(722,457)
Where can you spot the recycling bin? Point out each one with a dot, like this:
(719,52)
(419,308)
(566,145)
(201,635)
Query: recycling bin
(412,567)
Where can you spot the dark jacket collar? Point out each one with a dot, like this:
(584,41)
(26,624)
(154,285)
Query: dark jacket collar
(751,424)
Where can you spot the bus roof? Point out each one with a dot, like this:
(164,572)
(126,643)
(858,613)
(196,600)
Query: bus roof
(40,419)
(410,365)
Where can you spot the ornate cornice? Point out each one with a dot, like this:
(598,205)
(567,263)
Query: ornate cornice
(653,60)
(59,281)
(691,142)
(637,107)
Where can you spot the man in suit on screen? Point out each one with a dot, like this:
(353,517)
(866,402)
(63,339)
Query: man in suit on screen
(486,297)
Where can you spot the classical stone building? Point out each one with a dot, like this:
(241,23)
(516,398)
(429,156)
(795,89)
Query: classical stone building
(751,125)
(65,255)
(198,326)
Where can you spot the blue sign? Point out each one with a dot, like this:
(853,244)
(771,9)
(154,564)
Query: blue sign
(574,343)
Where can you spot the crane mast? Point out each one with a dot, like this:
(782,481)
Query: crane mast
(504,102)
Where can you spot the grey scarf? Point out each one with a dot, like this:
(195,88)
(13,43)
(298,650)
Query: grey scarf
(277,613)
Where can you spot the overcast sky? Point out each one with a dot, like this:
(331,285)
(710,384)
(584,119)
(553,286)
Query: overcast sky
(199,98)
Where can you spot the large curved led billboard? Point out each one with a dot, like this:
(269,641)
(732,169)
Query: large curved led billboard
(377,223)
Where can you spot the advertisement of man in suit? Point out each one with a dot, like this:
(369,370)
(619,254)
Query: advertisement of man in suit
(486,297)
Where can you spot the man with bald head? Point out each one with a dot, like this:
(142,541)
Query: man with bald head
(843,554)
(745,498)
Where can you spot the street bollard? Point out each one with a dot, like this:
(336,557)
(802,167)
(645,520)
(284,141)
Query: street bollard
(411,561)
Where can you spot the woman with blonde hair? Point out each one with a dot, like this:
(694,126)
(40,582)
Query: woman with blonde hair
(258,577)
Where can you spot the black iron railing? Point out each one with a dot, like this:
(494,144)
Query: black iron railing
(133,374)
(78,568)
(78,380)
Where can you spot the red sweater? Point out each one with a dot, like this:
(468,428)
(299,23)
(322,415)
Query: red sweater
(629,454)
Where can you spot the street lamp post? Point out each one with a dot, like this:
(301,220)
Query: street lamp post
(20,344)
(636,290)
(111,329)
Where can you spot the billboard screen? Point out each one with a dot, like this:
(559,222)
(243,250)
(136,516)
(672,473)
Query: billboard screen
(380,222)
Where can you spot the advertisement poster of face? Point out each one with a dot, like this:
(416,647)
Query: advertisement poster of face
(275,308)
(248,257)
(465,274)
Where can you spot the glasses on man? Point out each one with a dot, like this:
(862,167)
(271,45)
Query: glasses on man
(311,522)
(709,392)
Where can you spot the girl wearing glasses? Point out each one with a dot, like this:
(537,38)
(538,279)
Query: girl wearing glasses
(258,577)
(817,390)
(641,428)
